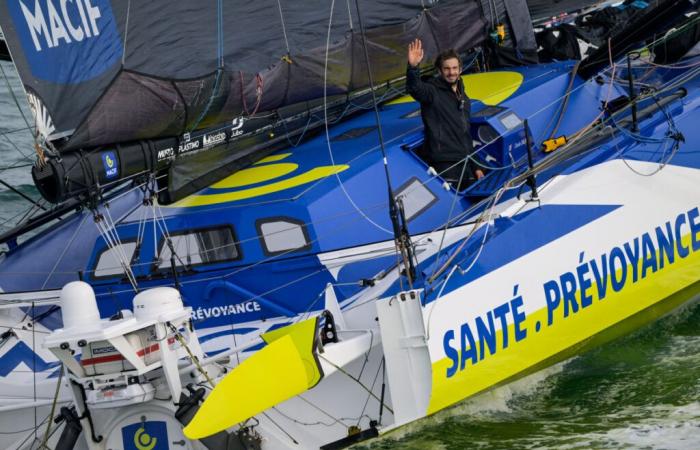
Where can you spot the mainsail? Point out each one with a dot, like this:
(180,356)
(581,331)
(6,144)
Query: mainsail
(121,71)
(100,73)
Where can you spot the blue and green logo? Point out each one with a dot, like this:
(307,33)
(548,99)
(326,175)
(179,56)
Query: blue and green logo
(152,435)
(109,161)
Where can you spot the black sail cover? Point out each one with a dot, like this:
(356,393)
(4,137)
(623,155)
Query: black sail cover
(100,72)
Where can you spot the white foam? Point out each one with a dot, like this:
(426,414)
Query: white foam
(484,405)
(668,427)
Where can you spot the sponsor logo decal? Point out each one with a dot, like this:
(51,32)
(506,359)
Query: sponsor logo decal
(225,310)
(103,350)
(213,139)
(236,126)
(151,435)
(594,279)
(109,160)
(166,153)
(67,41)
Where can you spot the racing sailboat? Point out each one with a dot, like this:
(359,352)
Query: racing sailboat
(334,287)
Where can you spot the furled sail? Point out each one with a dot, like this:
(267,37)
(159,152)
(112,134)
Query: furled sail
(113,71)
(134,85)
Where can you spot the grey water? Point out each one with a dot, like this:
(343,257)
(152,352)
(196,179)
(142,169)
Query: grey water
(639,392)
(16,149)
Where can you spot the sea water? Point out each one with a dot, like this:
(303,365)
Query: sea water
(638,392)
(16,150)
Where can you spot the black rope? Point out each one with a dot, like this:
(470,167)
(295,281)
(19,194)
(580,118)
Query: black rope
(23,195)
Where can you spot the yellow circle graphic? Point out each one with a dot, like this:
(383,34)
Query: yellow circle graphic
(144,441)
(491,88)
(256,174)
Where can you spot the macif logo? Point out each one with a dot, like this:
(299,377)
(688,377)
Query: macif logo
(60,26)
(109,160)
(67,41)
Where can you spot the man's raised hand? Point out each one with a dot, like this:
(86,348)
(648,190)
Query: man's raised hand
(415,53)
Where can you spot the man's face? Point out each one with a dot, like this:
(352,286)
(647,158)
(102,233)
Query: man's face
(450,70)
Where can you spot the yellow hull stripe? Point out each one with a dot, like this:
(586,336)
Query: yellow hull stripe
(314,174)
(618,313)
(491,88)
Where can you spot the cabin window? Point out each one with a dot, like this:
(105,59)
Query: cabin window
(198,247)
(109,260)
(416,198)
(510,120)
(280,235)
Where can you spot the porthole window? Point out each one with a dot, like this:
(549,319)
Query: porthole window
(281,235)
(109,260)
(416,198)
(198,247)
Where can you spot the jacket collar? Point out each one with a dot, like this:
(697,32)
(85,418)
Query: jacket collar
(442,84)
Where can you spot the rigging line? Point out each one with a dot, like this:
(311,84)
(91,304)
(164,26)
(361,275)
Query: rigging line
(491,13)
(306,424)
(17,130)
(126,32)
(120,249)
(22,194)
(24,155)
(672,33)
(53,409)
(32,432)
(108,231)
(347,3)
(456,266)
(219,70)
(402,237)
(376,376)
(474,153)
(452,207)
(313,405)
(112,245)
(34,357)
(328,138)
(284,29)
(63,252)
(29,213)
(346,373)
(662,163)
(9,219)
(14,97)
(15,166)
(364,363)
(484,216)
(280,428)
(220,27)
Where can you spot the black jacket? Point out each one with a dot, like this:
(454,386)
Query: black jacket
(445,116)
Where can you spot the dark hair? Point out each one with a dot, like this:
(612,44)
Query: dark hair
(446,54)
